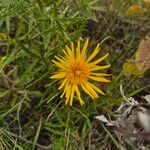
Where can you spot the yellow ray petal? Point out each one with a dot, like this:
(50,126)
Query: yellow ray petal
(58,75)
(95,68)
(77,90)
(90,89)
(68,94)
(62,60)
(67,99)
(100,74)
(72,95)
(72,48)
(95,52)
(83,53)
(68,90)
(99,79)
(97,89)
(62,95)
(70,53)
(58,64)
(62,84)
(99,60)
(81,101)
(78,50)
(65,52)
(65,89)
(86,91)
(78,94)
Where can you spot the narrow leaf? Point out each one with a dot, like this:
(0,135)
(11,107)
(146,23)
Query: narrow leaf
(37,134)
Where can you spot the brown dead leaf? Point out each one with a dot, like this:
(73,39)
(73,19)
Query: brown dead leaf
(134,10)
(142,57)
(130,68)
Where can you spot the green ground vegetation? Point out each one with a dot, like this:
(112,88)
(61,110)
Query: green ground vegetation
(32,32)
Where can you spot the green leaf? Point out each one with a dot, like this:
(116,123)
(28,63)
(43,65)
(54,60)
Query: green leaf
(1,146)
(5,93)
(33,54)
(35,93)
(40,4)
(37,134)
(28,75)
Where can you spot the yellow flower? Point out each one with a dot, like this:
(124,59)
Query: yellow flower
(76,72)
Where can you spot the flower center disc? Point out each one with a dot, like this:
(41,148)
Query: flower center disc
(78,72)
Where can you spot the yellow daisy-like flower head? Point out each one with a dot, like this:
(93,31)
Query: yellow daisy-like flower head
(76,72)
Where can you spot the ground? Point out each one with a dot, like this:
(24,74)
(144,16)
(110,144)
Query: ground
(32,114)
